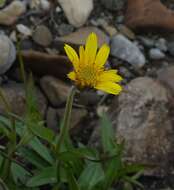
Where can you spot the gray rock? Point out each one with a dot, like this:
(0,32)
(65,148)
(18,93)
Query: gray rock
(126,50)
(114,4)
(55,90)
(156,54)
(161,44)
(15,94)
(42,36)
(7,53)
(79,36)
(143,121)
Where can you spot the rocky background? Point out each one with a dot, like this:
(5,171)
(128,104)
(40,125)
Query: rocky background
(141,36)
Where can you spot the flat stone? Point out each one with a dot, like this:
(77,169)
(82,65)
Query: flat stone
(7,53)
(77,11)
(150,15)
(126,50)
(42,36)
(79,37)
(43,64)
(55,90)
(10,14)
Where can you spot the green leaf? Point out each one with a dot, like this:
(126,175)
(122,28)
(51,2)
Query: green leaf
(41,149)
(91,176)
(34,143)
(73,185)
(19,173)
(112,170)
(34,158)
(46,176)
(43,132)
(73,160)
(107,134)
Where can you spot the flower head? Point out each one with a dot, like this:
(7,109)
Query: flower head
(89,68)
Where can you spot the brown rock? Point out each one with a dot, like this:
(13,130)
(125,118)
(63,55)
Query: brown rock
(45,64)
(79,37)
(55,90)
(15,95)
(149,14)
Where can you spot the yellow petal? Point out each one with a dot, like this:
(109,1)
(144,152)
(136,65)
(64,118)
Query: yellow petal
(72,75)
(110,75)
(82,54)
(72,55)
(102,56)
(91,48)
(109,87)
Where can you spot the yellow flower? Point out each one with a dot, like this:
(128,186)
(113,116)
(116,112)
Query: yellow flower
(89,68)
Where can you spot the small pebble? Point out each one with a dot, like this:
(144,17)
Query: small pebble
(24,30)
(42,36)
(156,54)
(161,44)
(124,49)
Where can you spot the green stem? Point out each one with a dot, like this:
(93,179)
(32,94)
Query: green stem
(66,120)
(21,62)
(64,128)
